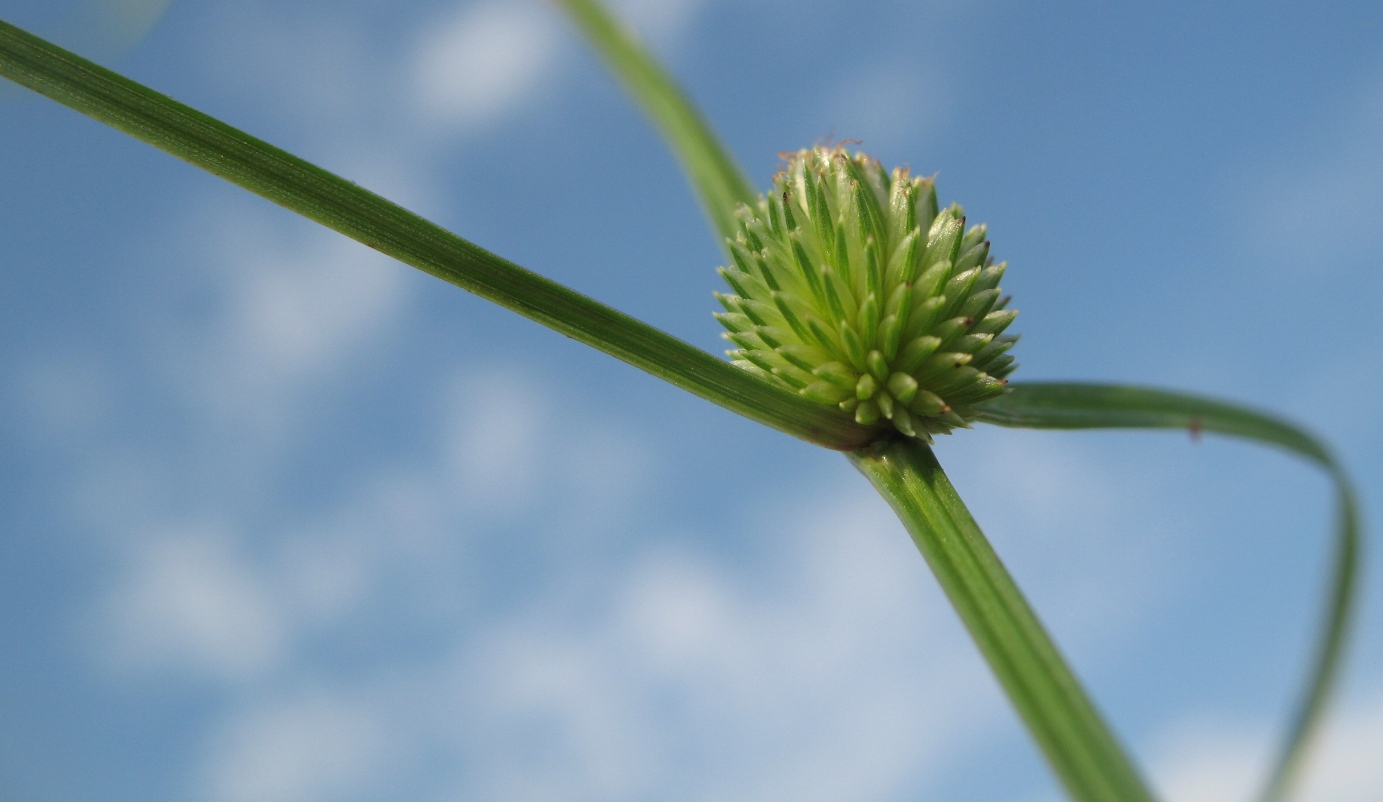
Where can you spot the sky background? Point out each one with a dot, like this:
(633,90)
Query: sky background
(281,519)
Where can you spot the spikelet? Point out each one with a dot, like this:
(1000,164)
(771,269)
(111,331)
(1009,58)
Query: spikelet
(852,288)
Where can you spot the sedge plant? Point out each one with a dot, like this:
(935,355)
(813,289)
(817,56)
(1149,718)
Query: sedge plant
(865,318)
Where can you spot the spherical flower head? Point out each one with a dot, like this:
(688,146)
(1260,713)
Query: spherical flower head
(852,288)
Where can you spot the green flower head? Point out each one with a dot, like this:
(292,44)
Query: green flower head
(852,288)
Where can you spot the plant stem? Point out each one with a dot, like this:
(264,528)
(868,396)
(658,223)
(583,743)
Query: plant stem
(1080,747)
(363,216)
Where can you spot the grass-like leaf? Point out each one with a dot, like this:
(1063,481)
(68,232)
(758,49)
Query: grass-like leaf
(361,215)
(1102,406)
(1081,749)
(711,168)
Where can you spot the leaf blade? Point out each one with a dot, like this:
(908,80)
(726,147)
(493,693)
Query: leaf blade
(341,205)
(710,168)
(1100,406)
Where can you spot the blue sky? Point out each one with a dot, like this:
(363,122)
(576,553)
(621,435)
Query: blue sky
(281,519)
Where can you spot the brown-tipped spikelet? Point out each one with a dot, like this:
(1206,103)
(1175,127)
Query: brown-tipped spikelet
(852,288)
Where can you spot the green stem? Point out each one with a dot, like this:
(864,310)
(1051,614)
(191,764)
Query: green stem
(361,215)
(710,168)
(1081,749)
(1099,406)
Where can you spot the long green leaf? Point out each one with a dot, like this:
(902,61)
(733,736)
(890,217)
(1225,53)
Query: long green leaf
(1079,746)
(713,173)
(393,230)
(1100,406)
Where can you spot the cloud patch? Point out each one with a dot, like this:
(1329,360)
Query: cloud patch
(839,678)
(317,747)
(1322,212)
(886,104)
(1208,760)
(190,604)
(480,63)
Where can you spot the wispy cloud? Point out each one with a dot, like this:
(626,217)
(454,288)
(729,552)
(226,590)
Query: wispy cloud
(1211,759)
(888,103)
(1312,217)
(1084,544)
(660,22)
(190,605)
(295,310)
(839,676)
(1348,769)
(691,676)
(316,747)
(482,61)
(1318,211)
(1202,760)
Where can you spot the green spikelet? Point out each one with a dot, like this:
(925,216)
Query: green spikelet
(852,288)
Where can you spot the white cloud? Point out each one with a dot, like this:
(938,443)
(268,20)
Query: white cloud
(295,309)
(107,30)
(190,603)
(1347,767)
(508,448)
(840,678)
(660,22)
(326,576)
(1311,219)
(335,89)
(303,308)
(1321,214)
(495,439)
(1082,530)
(679,611)
(475,66)
(316,747)
(885,104)
(839,673)
(557,694)
(1205,760)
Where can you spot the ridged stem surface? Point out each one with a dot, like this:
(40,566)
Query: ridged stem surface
(1080,747)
